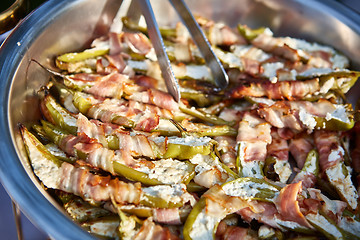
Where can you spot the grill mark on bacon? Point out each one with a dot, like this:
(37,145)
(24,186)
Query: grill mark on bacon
(326,142)
(291,90)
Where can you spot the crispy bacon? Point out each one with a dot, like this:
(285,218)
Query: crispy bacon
(320,59)
(269,43)
(327,143)
(288,114)
(83,183)
(279,147)
(220,34)
(288,206)
(300,147)
(290,90)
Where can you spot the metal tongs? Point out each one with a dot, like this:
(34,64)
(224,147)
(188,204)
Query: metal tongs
(218,72)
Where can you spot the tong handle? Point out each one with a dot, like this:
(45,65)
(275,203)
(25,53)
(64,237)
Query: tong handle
(217,70)
(160,50)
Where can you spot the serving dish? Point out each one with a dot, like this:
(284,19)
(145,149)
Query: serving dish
(59,26)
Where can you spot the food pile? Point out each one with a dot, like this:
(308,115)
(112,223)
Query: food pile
(275,155)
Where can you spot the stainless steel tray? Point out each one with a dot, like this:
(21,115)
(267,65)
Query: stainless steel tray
(63,26)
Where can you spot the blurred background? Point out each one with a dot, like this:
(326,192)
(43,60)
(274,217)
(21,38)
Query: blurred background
(7,219)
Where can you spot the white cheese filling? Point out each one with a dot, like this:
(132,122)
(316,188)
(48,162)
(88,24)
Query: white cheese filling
(203,226)
(167,171)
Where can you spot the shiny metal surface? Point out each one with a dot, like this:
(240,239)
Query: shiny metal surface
(63,26)
(217,70)
(167,73)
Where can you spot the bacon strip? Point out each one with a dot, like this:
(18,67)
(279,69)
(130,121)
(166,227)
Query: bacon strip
(296,115)
(255,133)
(122,111)
(266,213)
(279,147)
(269,43)
(327,143)
(290,90)
(90,186)
(169,216)
(288,206)
(299,149)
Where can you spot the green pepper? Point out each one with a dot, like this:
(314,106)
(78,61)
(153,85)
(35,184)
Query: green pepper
(166,128)
(183,151)
(36,149)
(344,80)
(194,187)
(201,99)
(248,33)
(334,124)
(81,56)
(199,211)
(206,117)
(248,168)
(59,115)
(311,164)
(158,202)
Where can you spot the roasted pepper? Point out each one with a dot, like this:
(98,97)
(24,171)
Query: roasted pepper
(81,56)
(248,33)
(58,115)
